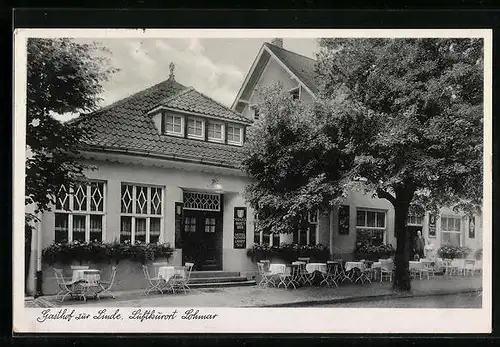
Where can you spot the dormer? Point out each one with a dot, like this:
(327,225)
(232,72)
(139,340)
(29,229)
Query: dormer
(192,115)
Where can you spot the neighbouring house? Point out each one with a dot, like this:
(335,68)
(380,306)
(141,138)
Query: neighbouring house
(168,171)
(361,217)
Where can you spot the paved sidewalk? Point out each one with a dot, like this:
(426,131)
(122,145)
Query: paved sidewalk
(254,296)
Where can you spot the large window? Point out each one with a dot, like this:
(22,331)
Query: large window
(451,231)
(215,131)
(196,128)
(234,135)
(141,213)
(415,220)
(174,125)
(80,213)
(308,236)
(370,227)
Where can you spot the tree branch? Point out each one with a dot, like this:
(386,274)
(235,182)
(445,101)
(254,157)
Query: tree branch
(385,195)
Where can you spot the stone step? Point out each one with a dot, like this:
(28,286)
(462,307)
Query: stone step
(217,279)
(212,274)
(222,284)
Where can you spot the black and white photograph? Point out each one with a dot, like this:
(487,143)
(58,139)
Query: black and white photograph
(168,177)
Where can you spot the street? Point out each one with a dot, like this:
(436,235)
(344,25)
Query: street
(467,300)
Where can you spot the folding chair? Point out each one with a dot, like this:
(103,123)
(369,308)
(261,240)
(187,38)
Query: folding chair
(155,283)
(266,276)
(66,287)
(331,274)
(287,278)
(181,282)
(106,285)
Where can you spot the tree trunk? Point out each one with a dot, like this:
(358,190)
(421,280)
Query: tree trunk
(402,257)
(27,252)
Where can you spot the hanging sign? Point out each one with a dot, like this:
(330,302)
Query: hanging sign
(240,227)
(344,220)
(432,225)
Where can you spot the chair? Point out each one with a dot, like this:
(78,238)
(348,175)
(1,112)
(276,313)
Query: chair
(386,269)
(450,267)
(478,267)
(155,283)
(65,287)
(181,282)
(331,274)
(106,285)
(429,269)
(304,276)
(90,284)
(287,278)
(266,276)
(469,267)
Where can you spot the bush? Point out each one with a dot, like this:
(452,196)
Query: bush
(105,252)
(289,252)
(479,254)
(453,252)
(371,252)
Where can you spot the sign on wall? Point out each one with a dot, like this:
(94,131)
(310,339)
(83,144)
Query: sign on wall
(240,227)
(178,224)
(344,220)
(472,227)
(432,225)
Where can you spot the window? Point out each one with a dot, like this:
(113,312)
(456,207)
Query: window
(415,220)
(451,231)
(196,128)
(215,131)
(295,93)
(234,135)
(308,236)
(210,225)
(174,125)
(141,213)
(256,112)
(370,227)
(190,224)
(79,213)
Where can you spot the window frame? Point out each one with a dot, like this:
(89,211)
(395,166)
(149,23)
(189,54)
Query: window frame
(214,139)
(196,119)
(375,228)
(148,215)
(296,91)
(256,112)
(87,213)
(459,232)
(165,122)
(234,126)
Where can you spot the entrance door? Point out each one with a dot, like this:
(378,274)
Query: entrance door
(203,239)
(412,229)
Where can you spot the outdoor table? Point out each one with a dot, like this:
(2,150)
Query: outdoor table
(166,272)
(92,275)
(377,265)
(314,268)
(277,269)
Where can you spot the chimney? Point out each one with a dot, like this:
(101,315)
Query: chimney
(277,42)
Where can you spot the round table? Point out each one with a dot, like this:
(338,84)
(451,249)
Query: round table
(312,267)
(86,275)
(166,272)
(276,269)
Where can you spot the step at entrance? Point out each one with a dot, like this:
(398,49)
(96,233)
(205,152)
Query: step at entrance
(209,279)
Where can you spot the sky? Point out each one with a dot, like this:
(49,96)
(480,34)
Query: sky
(215,67)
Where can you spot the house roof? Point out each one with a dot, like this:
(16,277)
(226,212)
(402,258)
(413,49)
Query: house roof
(192,101)
(301,66)
(125,126)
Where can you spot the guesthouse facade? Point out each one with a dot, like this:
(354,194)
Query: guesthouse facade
(167,170)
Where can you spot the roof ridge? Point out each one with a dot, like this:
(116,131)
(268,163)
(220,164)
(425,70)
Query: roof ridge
(289,51)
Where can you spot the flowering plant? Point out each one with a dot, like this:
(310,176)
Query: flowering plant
(373,252)
(289,252)
(453,252)
(105,252)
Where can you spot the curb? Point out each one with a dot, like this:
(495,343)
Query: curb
(376,297)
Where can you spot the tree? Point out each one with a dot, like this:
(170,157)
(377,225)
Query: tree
(412,111)
(295,168)
(399,118)
(62,77)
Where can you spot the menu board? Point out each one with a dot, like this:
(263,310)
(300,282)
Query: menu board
(344,220)
(240,227)
(178,224)
(432,225)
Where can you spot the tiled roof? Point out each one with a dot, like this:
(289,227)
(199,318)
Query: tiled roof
(301,66)
(190,100)
(125,126)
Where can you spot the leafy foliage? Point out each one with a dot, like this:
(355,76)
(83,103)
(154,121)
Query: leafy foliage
(105,252)
(295,168)
(289,252)
(453,252)
(62,77)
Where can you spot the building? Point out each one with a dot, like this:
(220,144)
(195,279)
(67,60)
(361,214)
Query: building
(167,162)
